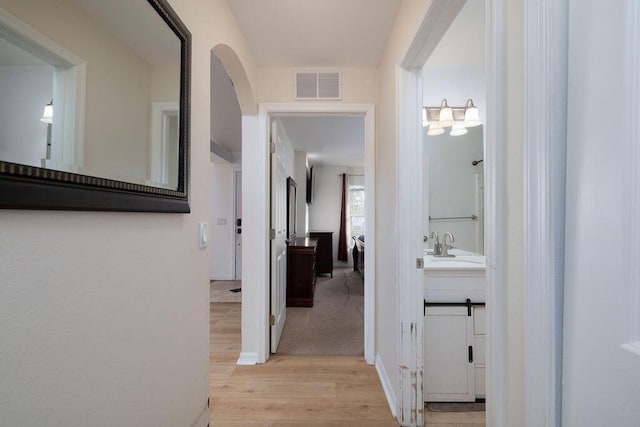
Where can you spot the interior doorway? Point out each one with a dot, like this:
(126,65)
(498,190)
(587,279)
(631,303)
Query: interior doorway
(454,339)
(225,187)
(412,303)
(267,112)
(323,160)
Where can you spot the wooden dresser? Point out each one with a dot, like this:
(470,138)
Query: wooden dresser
(324,258)
(301,278)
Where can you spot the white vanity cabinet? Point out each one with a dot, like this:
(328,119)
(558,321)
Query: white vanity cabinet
(449,371)
(454,330)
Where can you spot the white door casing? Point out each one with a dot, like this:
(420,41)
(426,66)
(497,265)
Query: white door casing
(238,224)
(260,252)
(279,237)
(164,143)
(601,361)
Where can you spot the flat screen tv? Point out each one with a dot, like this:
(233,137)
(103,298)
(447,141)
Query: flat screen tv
(310,186)
(291,208)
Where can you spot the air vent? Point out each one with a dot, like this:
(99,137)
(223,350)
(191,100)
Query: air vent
(312,85)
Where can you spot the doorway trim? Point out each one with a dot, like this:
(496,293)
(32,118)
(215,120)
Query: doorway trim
(237,170)
(265,111)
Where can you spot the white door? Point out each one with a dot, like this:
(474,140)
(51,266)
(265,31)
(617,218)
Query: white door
(279,240)
(238,225)
(601,352)
(449,371)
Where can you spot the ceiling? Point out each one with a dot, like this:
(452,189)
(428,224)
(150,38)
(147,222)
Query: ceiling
(312,33)
(336,140)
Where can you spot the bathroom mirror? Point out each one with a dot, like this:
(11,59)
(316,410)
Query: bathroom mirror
(94,111)
(455,188)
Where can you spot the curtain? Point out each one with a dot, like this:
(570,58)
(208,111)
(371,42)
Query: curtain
(343,254)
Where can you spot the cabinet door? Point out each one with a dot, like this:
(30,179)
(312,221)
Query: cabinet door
(449,374)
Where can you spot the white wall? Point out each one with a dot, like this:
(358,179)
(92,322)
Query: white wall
(222,227)
(452,186)
(105,316)
(324,213)
(300,176)
(25,91)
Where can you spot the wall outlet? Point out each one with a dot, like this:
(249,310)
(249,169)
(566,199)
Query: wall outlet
(203,235)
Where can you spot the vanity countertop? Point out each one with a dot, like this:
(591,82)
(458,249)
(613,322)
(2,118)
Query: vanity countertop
(464,260)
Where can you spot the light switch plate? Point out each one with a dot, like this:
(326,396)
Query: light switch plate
(203,236)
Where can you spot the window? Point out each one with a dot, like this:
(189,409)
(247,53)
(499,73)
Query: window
(356,207)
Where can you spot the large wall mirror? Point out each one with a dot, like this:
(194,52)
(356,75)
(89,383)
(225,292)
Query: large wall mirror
(94,105)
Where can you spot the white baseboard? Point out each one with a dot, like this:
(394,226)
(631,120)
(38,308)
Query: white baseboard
(248,359)
(386,386)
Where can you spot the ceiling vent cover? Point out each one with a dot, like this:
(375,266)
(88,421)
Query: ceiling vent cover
(312,85)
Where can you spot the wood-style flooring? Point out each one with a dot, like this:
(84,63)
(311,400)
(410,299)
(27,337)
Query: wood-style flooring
(298,390)
(289,390)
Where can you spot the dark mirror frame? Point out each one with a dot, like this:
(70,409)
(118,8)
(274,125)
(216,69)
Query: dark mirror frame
(28,187)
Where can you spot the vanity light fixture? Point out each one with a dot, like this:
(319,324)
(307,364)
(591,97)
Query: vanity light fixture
(47,115)
(459,118)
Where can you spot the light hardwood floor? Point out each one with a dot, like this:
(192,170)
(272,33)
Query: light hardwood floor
(298,390)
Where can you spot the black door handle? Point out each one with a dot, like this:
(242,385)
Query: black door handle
(470,354)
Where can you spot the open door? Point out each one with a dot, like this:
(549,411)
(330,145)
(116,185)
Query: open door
(278,238)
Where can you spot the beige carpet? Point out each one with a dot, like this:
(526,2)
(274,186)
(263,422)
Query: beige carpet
(334,325)
(220,291)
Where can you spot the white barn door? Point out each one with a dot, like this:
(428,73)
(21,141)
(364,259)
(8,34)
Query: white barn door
(601,367)
(279,238)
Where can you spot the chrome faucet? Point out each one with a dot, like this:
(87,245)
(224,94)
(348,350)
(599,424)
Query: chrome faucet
(437,246)
(445,247)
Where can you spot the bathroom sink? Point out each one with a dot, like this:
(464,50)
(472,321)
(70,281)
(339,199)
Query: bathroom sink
(463,260)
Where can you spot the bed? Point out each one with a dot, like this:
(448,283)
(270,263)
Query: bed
(358,254)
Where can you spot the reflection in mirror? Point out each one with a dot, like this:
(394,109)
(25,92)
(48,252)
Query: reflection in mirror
(454,172)
(110,71)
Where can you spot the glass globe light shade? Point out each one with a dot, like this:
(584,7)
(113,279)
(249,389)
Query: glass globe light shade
(458,129)
(446,114)
(47,115)
(435,129)
(471,117)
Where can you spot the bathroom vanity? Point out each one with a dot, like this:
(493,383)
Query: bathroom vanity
(454,327)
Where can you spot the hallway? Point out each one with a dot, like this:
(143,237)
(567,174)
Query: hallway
(288,390)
